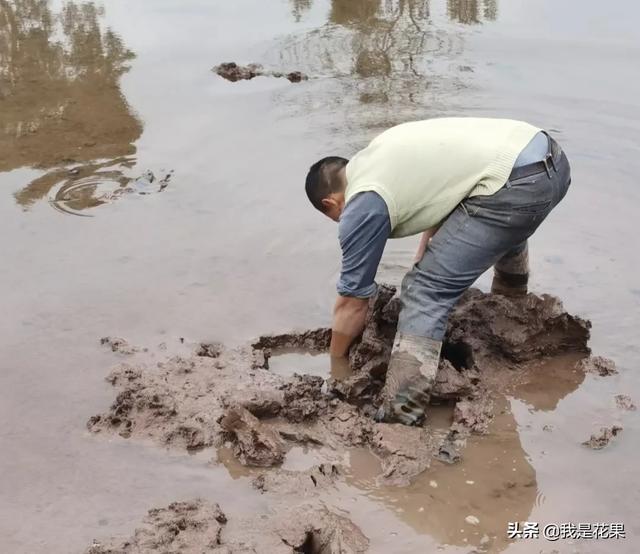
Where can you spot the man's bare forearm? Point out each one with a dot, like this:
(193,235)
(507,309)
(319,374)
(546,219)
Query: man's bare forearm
(349,316)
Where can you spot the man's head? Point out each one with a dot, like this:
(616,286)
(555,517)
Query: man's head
(325,185)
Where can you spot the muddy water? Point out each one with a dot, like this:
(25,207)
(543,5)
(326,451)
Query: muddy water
(92,96)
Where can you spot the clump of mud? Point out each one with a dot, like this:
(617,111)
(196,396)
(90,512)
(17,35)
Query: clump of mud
(599,365)
(119,345)
(601,439)
(228,397)
(198,526)
(624,402)
(233,72)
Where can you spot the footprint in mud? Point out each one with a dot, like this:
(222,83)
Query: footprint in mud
(83,189)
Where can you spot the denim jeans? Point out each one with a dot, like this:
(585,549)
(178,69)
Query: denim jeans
(481,231)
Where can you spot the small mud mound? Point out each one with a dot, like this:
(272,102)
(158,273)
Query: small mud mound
(198,526)
(600,440)
(233,72)
(516,329)
(255,444)
(599,365)
(186,527)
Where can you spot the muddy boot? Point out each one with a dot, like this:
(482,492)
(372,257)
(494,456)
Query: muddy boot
(511,275)
(410,378)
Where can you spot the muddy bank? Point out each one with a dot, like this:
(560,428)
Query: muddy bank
(233,72)
(197,526)
(219,396)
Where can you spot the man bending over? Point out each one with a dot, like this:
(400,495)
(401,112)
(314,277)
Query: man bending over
(476,189)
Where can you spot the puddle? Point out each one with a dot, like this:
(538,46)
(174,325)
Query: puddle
(494,482)
(288,362)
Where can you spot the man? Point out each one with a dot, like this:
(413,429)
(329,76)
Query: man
(475,188)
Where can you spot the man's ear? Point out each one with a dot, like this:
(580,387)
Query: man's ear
(328,203)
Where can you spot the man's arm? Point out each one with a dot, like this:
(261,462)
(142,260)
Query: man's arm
(364,229)
(349,316)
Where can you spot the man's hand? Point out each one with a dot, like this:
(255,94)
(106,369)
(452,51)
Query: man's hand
(340,368)
(349,316)
(424,242)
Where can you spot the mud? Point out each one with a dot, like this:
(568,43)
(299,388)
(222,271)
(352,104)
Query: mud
(228,397)
(233,72)
(599,365)
(600,440)
(255,444)
(219,395)
(119,345)
(305,483)
(624,402)
(193,527)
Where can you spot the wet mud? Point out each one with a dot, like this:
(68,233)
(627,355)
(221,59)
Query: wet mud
(624,402)
(220,397)
(233,72)
(196,526)
(602,438)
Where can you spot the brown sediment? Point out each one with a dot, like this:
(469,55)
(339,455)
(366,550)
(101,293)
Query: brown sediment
(599,365)
(119,345)
(602,438)
(624,402)
(222,397)
(219,395)
(233,72)
(197,526)
(304,483)
(254,443)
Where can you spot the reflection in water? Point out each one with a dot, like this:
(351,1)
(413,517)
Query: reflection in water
(388,57)
(59,90)
(299,7)
(470,12)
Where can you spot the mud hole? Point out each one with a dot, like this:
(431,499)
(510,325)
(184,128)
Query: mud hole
(221,397)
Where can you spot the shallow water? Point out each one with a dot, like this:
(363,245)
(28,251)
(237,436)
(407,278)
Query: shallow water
(303,363)
(97,94)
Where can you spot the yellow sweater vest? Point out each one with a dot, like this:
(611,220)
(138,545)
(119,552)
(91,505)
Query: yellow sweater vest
(424,169)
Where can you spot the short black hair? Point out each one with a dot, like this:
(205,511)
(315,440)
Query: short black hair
(322,179)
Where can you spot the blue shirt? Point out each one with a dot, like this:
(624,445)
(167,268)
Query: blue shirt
(365,226)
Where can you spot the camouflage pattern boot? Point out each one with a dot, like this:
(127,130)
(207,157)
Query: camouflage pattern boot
(511,275)
(410,378)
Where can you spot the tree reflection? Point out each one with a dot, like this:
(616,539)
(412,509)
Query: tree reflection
(470,12)
(59,90)
(299,7)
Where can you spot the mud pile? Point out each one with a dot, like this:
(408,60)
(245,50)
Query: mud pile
(228,397)
(197,526)
(233,72)
(218,396)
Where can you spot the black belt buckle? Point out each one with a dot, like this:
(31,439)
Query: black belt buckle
(546,165)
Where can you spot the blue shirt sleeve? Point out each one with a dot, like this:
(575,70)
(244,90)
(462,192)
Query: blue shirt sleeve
(364,229)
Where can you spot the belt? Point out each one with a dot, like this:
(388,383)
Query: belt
(550,162)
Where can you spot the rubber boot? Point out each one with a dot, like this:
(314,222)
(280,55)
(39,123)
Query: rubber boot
(511,275)
(410,379)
